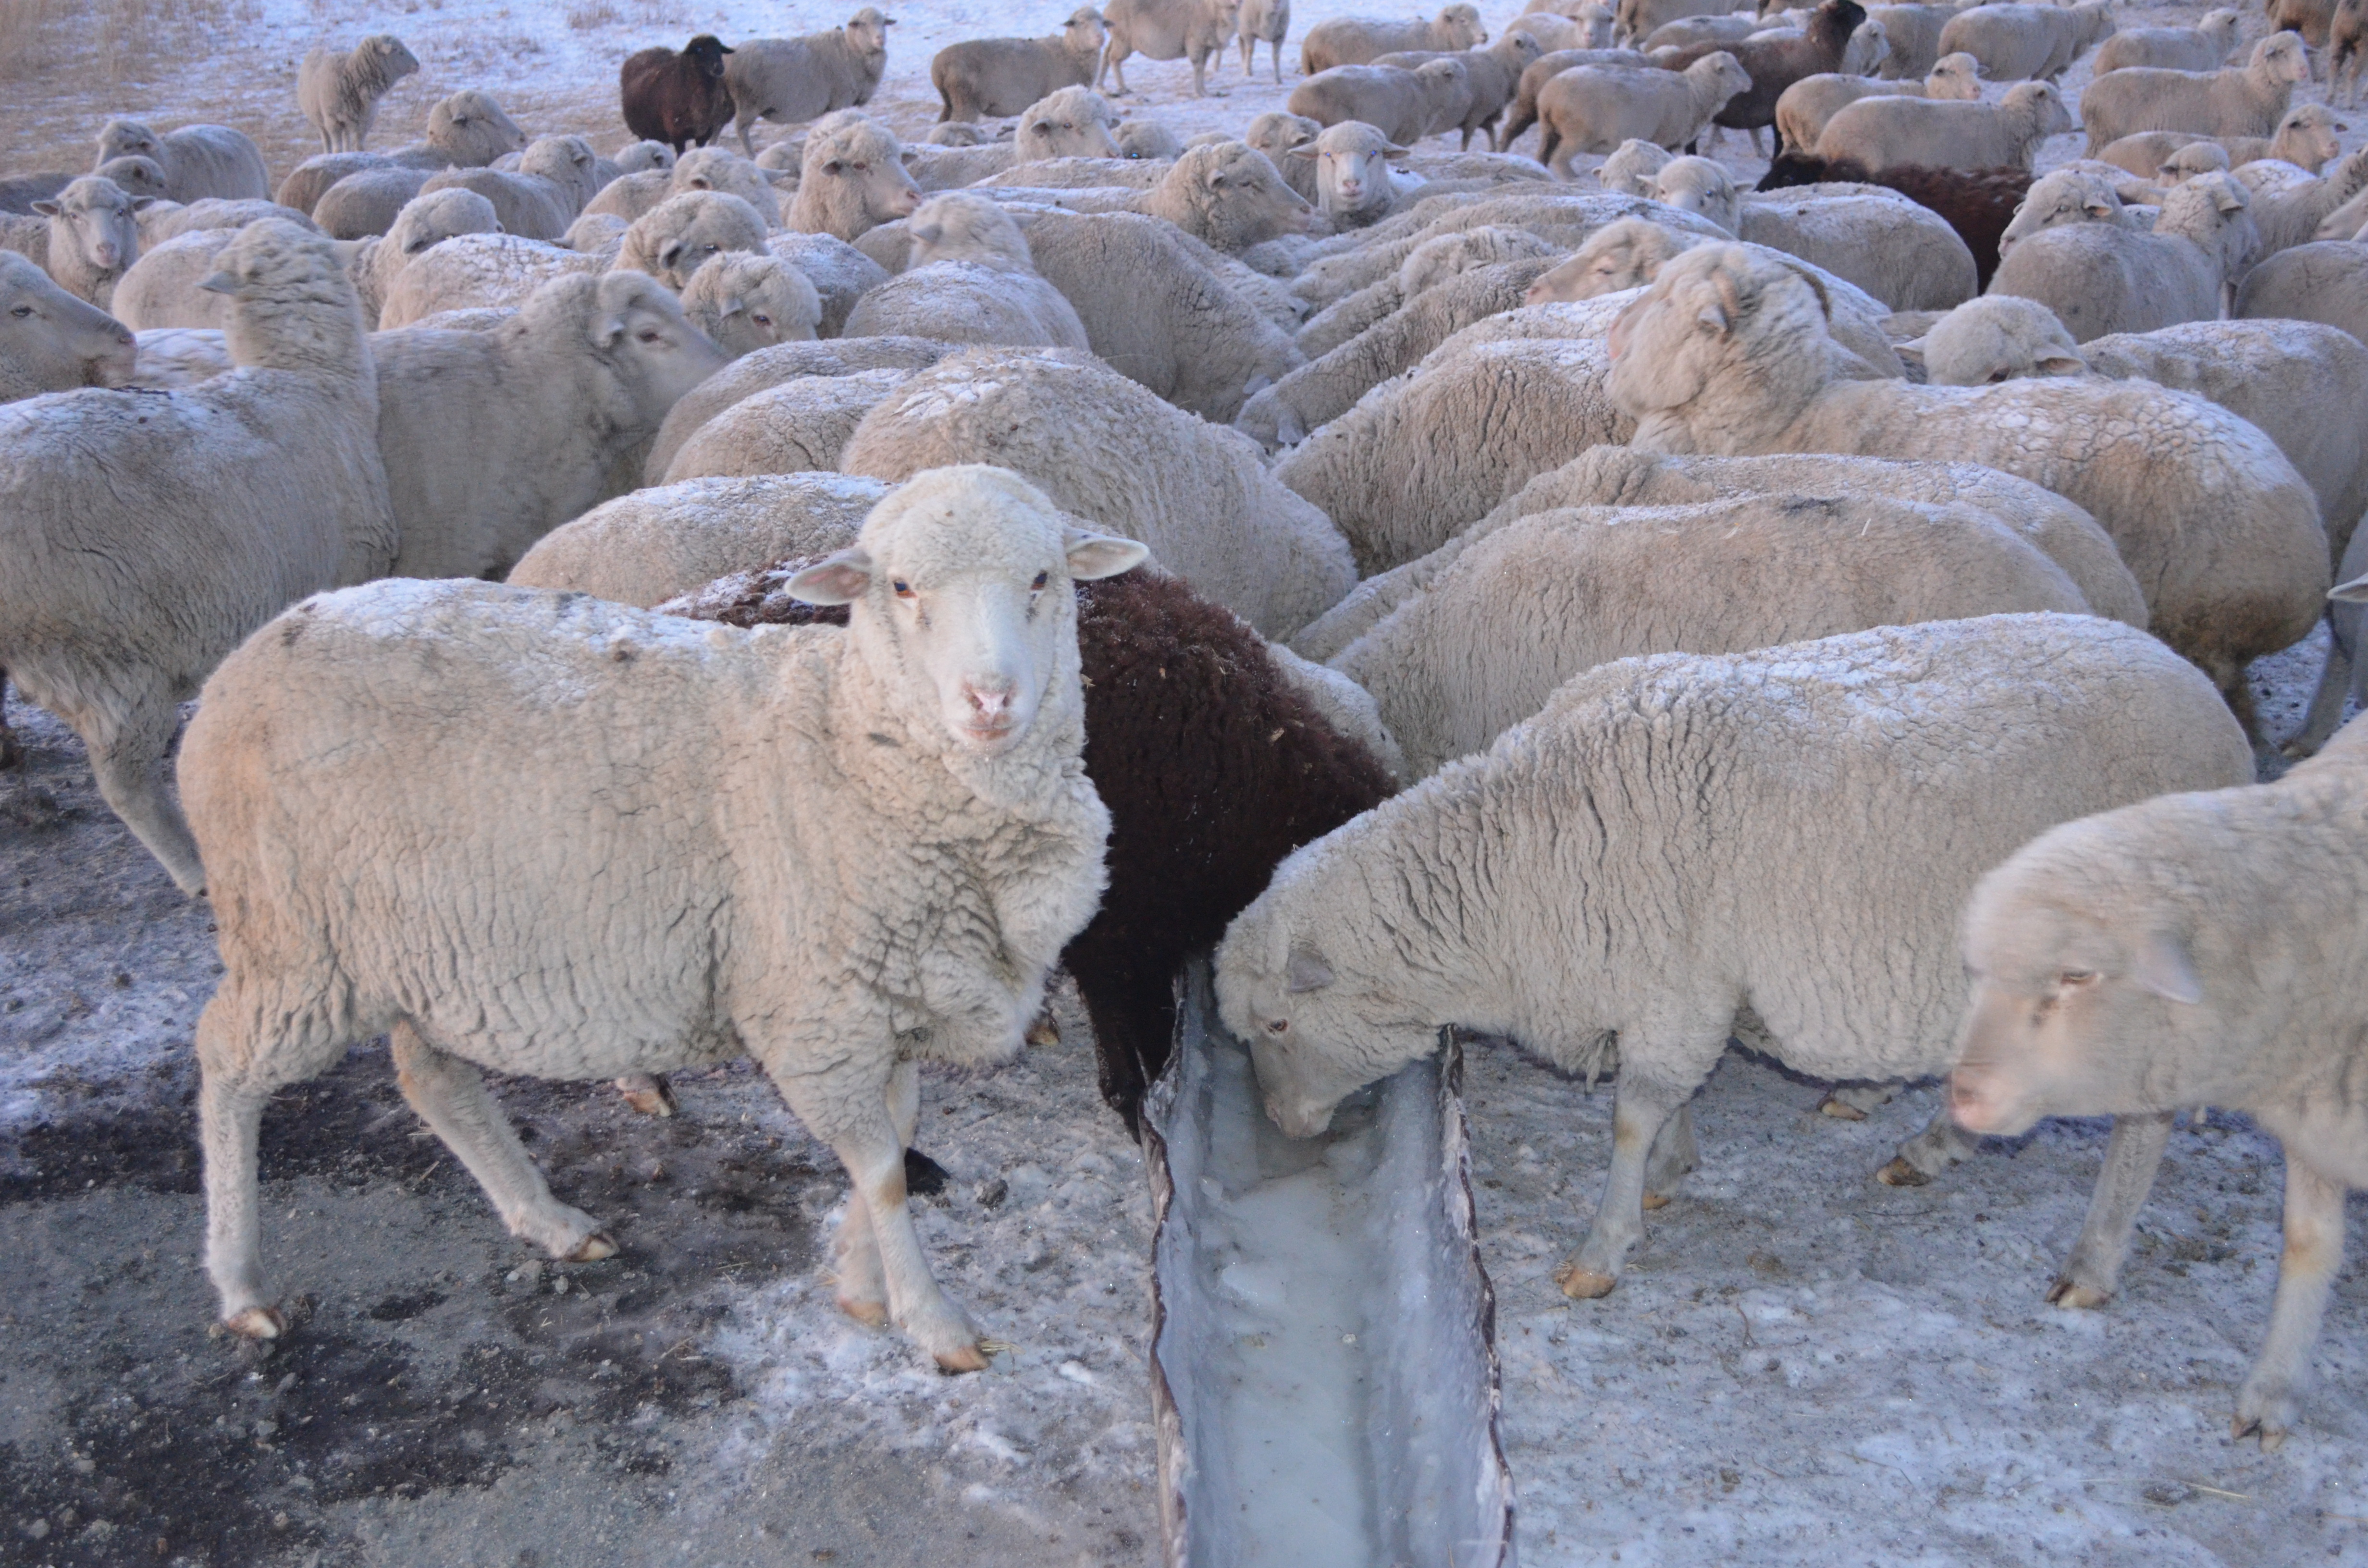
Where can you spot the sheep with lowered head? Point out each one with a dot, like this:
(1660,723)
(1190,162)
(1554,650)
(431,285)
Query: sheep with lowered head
(1595,108)
(2104,278)
(983,76)
(1405,104)
(52,341)
(851,179)
(743,302)
(197,159)
(1885,132)
(143,535)
(1548,595)
(1900,251)
(1837,963)
(2017,43)
(1267,20)
(1075,123)
(720,169)
(1104,448)
(968,279)
(1359,41)
(2248,100)
(1631,167)
(1729,354)
(677,237)
(339,90)
(494,438)
(973,842)
(423,224)
(2065,197)
(2200,949)
(2203,47)
(540,197)
(795,79)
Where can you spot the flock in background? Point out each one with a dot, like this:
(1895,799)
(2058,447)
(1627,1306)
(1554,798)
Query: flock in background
(1617,614)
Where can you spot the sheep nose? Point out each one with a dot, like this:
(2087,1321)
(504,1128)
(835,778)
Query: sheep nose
(992,704)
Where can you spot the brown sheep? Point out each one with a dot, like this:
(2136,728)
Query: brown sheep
(681,98)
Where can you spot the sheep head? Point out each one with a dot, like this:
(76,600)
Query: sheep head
(867,33)
(1722,322)
(1999,338)
(1628,254)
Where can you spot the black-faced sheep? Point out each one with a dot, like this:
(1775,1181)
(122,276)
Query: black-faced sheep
(679,98)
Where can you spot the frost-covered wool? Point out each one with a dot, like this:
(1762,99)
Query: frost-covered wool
(338,90)
(2248,100)
(770,879)
(50,341)
(852,180)
(745,303)
(2324,281)
(1563,218)
(1105,449)
(968,280)
(840,273)
(477,271)
(1214,765)
(555,176)
(365,203)
(720,169)
(1896,248)
(2107,277)
(1622,476)
(197,159)
(163,288)
(1415,461)
(1155,314)
(1554,592)
(678,236)
(665,541)
(1432,263)
(160,221)
(790,80)
(1353,40)
(753,373)
(2294,215)
(797,426)
(2196,949)
(494,438)
(1885,132)
(143,534)
(424,224)
(1727,355)
(1978,203)
(2016,43)
(1801,890)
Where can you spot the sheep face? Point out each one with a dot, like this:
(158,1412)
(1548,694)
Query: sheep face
(1315,1037)
(1706,316)
(2065,1001)
(1625,255)
(1235,198)
(428,221)
(2195,158)
(2067,196)
(637,328)
(957,226)
(959,594)
(1630,169)
(140,177)
(1700,187)
(867,34)
(1352,169)
(1149,139)
(1999,338)
(1458,26)
(1868,48)
(1083,33)
(859,172)
(706,54)
(128,139)
(745,303)
(1957,76)
(2284,57)
(2306,136)
(93,219)
(644,155)
(1074,122)
(50,341)
(470,128)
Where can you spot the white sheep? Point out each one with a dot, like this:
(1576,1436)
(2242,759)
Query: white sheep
(1631,168)
(52,341)
(793,79)
(197,159)
(160,221)
(2195,949)
(92,238)
(1354,187)
(1836,960)
(678,236)
(165,286)
(2065,197)
(2203,47)
(1888,132)
(138,176)
(1104,448)
(475,271)
(1805,106)
(720,169)
(143,534)
(745,303)
(840,273)
(2016,42)
(2248,100)
(338,90)
(851,178)
(956,860)
(173,356)
(1999,338)
(1635,20)
(981,77)
(1073,123)
(425,223)
(554,178)
(366,201)
(658,543)
(1194,30)
(1492,74)
(1485,643)
(798,425)
(1725,353)
(1433,262)
(1356,40)
(2101,278)
(1897,250)
(1914,35)
(768,367)
(1146,139)
(1403,104)
(1267,20)
(1594,108)
(968,280)
(2307,138)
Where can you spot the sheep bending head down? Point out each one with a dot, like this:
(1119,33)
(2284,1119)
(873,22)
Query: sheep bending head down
(910,790)
(50,341)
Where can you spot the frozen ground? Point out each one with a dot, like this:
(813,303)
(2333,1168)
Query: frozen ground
(1803,1367)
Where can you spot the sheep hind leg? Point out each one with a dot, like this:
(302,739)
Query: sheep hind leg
(1636,1121)
(2335,684)
(2313,1256)
(1851,1102)
(1674,1155)
(862,1288)
(1942,1145)
(230,1122)
(2131,1156)
(127,759)
(450,1096)
(649,1094)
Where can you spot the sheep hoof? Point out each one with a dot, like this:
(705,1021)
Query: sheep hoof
(1840,1111)
(257,1323)
(1044,1032)
(2068,1294)
(1899,1172)
(1656,1200)
(592,1248)
(963,1359)
(1584,1284)
(870,1314)
(649,1093)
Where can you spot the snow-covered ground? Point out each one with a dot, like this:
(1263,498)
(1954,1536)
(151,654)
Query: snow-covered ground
(1801,1367)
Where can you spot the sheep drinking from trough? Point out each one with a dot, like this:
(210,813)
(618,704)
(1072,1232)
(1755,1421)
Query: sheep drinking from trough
(849,851)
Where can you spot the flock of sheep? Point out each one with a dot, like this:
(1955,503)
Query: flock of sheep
(1617,616)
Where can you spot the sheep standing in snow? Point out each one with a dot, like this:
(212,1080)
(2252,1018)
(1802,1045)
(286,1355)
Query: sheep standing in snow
(1491,73)
(1806,106)
(1267,20)
(2203,47)
(968,280)
(143,535)
(2017,43)
(956,861)
(1595,108)
(1838,962)
(678,98)
(1197,30)
(1727,355)
(197,159)
(1403,104)
(793,79)
(339,89)
(1885,132)
(983,76)
(1104,448)
(1546,68)
(1360,40)
(492,440)
(2305,138)
(2247,101)
(2195,950)
(2105,278)
(1774,60)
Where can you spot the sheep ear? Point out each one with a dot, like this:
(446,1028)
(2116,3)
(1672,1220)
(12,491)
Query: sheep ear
(608,330)
(670,253)
(2355,592)
(926,233)
(1396,154)
(837,579)
(219,282)
(2164,968)
(46,209)
(2231,197)
(2062,364)
(732,308)
(1302,150)
(141,203)
(1307,971)
(834,165)
(1093,555)
(905,157)
(1041,127)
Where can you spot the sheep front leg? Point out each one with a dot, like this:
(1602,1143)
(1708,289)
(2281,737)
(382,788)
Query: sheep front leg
(2314,1254)
(2131,1156)
(230,1118)
(1942,1145)
(127,759)
(862,1288)
(1636,1119)
(450,1096)
(1675,1153)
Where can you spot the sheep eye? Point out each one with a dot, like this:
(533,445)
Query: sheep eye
(1041,578)
(649,335)
(21,312)
(1279,1025)
(761,318)
(903,589)
(2072,977)
(1997,376)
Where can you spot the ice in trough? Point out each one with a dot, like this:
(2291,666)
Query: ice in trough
(1324,1365)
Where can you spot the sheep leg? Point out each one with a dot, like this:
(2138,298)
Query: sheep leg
(230,1121)
(740,124)
(862,1288)
(1942,1145)
(648,1093)
(450,1096)
(1278,60)
(1850,1102)
(1637,1120)
(2131,1156)
(2326,705)
(1675,1153)
(127,758)
(1249,57)
(2306,1270)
